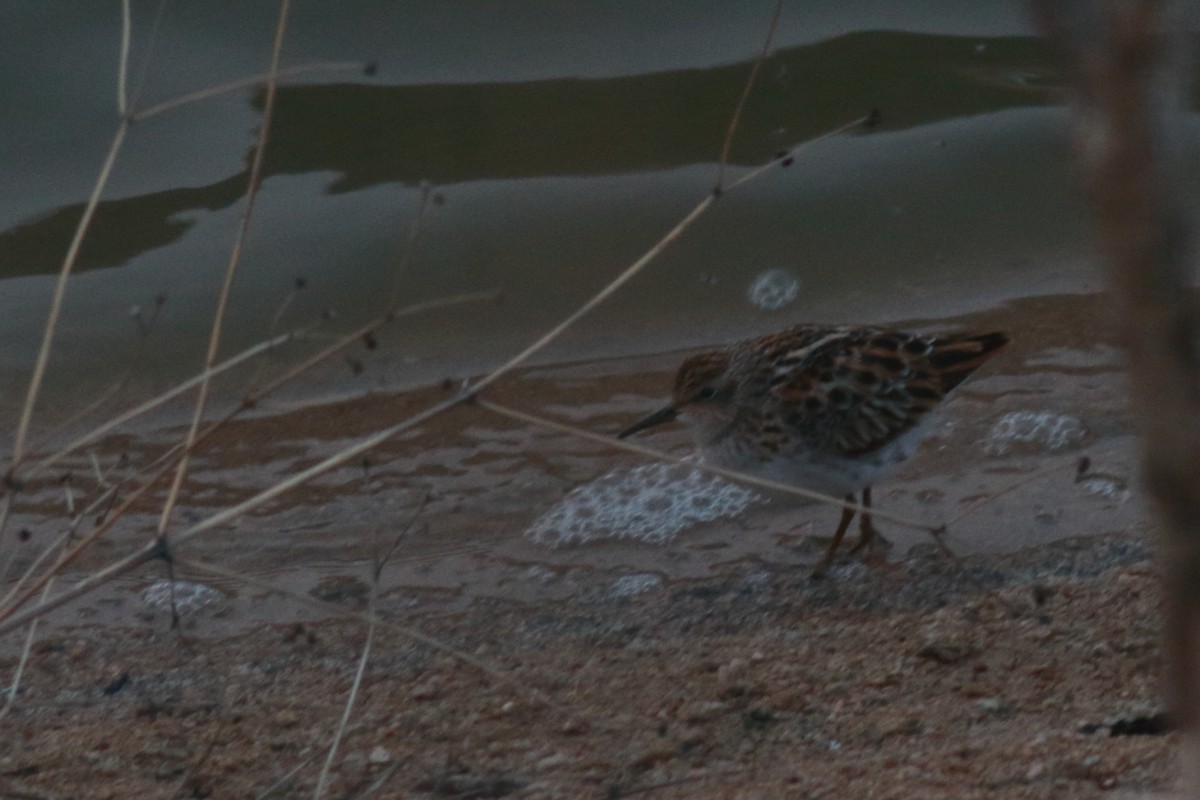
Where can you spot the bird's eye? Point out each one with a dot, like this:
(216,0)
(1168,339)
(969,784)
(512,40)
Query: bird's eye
(707,393)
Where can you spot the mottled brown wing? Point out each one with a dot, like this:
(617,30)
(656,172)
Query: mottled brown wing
(850,391)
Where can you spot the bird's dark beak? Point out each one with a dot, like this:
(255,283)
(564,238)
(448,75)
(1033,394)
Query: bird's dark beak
(657,418)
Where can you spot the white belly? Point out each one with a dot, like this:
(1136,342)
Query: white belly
(819,472)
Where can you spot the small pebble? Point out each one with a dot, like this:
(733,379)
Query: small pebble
(428,690)
(947,651)
(551,761)
(576,726)
(732,670)
(286,718)
(990,704)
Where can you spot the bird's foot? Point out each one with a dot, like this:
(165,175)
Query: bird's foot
(876,545)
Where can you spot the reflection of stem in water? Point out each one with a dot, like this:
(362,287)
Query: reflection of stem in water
(408,250)
(298,286)
(145,329)
(741,104)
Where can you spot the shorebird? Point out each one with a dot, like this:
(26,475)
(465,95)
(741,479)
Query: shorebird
(828,408)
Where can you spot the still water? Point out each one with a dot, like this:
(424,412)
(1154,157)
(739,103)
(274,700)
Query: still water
(560,141)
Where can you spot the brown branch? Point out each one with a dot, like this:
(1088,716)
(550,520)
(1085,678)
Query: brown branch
(1128,67)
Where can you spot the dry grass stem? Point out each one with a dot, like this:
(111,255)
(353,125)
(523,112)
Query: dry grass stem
(370,618)
(323,780)
(60,290)
(342,612)
(380,562)
(320,468)
(127,416)
(382,780)
(356,336)
(104,498)
(640,263)
(235,258)
(410,245)
(167,461)
(26,649)
(741,104)
(41,557)
(244,83)
(10,619)
(608,291)
(791,152)
(658,455)
(974,508)
(123,61)
(284,779)
(382,559)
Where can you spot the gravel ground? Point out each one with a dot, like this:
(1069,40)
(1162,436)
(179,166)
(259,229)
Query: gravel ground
(1031,676)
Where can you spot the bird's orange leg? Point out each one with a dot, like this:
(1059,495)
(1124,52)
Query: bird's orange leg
(843,525)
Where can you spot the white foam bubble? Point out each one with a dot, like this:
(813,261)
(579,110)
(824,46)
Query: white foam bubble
(1110,488)
(649,503)
(189,597)
(773,289)
(630,585)
(1037,430)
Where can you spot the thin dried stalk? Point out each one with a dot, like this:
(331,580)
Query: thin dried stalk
(323,780)
(733,475)
(64,273)
(123,61)
(244,83)
(102,399)
(406,631)
(640,264)
(381,561)
(235,258)
(57,544)
(410,245)
(741,104)
(60,290)
(24,659)
(154,402)
(386,625)
(284,779)
(168,460)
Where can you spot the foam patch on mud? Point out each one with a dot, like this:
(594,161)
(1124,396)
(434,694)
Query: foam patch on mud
(1034,431)
(651,503)
(188,597)
(1108,487)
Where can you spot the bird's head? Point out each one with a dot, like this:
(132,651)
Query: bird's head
(703,397)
